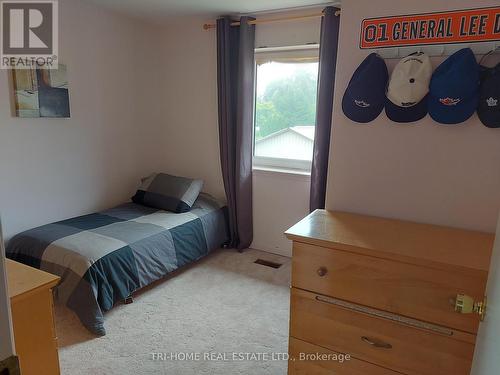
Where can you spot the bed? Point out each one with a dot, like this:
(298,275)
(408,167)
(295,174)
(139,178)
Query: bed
(102,258)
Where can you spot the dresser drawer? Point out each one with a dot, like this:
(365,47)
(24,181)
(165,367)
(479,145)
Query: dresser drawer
(380,341)
(419,292)
(304,361)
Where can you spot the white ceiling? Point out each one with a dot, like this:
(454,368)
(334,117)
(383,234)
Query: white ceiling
(158,9)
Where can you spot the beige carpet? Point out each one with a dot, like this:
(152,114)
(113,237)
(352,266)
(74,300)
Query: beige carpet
(224,304)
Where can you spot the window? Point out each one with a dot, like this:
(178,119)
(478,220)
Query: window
(285,107)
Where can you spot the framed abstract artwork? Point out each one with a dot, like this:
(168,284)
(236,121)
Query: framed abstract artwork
(41,92)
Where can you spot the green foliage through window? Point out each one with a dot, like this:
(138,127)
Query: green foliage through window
(287,101)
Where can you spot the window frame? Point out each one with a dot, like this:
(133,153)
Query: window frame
(300,54)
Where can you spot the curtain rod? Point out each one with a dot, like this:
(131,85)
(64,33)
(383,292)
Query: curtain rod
(209,26)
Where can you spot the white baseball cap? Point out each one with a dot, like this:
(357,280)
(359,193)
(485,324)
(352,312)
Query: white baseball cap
(408,88)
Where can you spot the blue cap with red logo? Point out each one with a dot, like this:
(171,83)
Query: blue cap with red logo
(454,88)
(364,97)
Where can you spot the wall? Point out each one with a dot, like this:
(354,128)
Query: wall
(190,142)
(279,201)
(57,168)
(190,123)
(423,172)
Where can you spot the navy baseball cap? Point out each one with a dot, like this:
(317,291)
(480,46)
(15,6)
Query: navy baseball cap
(489,97)
(364,97)
(454,88)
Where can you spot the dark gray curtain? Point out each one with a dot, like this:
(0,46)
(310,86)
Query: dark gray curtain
(326,81)
(235,82)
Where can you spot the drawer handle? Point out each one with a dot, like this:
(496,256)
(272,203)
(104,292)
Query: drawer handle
(322,271)
(376,344)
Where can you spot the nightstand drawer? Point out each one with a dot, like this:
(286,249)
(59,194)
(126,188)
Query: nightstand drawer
(390,344)
(309,359)
(419,292)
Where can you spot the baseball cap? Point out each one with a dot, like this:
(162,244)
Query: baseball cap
(489,97)
(454,88)
(365,95)
(408,89)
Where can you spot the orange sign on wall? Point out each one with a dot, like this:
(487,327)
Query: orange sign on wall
(463,26)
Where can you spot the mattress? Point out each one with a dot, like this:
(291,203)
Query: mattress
(102,258)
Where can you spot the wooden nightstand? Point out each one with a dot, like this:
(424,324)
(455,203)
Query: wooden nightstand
(30,292)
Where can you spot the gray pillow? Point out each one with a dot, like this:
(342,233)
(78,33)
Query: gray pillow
(166,192)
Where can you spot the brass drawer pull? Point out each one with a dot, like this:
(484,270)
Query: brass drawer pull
(386,315)
(465,304)
(322,271)
(376,344)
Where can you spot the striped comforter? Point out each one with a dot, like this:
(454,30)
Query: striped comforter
(104,257)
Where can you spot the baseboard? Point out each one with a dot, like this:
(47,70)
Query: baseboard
(280,252)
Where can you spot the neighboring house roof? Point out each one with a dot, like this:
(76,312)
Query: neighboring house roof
(295,143)
(306,131)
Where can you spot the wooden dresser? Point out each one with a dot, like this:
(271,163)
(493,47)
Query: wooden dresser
(30,293)
(384,292)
